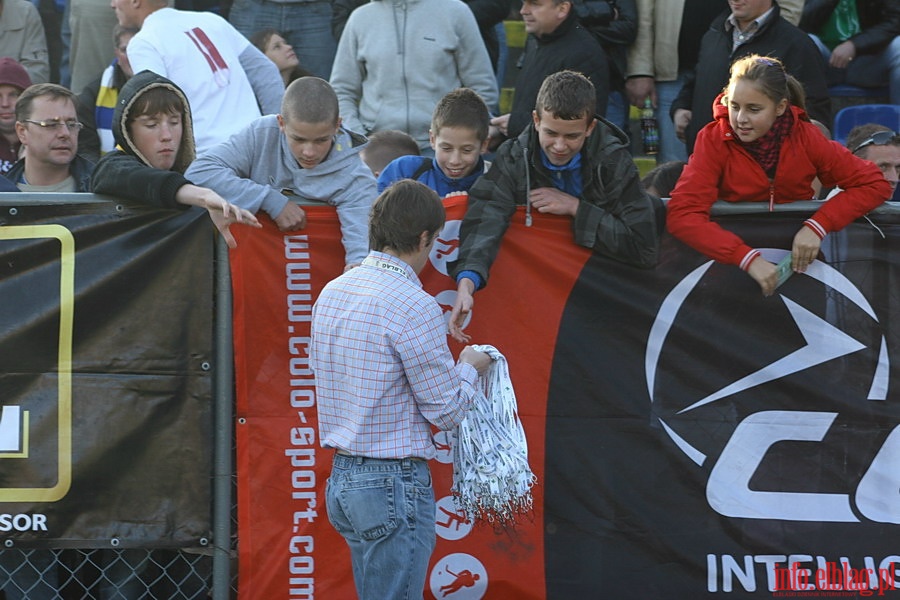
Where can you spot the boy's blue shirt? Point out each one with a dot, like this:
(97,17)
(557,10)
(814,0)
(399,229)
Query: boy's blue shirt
(406,166)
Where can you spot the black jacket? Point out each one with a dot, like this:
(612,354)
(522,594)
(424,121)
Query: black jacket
(80,169)
(777,38)
(879,22)
(569,47)
(616,217)
(127,174)
(614,23)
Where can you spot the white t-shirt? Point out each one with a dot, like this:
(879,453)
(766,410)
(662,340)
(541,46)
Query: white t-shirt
(199,51)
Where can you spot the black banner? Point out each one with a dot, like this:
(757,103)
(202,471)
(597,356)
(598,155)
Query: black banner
(105,383)
(703,440)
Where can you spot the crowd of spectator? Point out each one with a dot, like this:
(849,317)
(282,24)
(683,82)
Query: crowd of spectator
(251,105)
(415,81)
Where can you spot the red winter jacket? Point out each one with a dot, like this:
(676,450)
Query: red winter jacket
(720,168)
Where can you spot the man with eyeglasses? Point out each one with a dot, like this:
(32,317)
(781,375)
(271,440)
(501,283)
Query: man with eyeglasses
(47,125)
(880,145)
(877,144)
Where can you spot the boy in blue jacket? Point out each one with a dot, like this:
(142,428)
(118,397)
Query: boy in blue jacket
(459,136)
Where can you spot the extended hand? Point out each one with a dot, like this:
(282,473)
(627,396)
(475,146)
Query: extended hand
(765,274)
(221,212)
(805,249)
(461,309)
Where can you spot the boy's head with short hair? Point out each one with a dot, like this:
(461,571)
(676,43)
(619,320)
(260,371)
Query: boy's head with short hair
(310,120)
(384,146)
(564,115)
(404,216)
(459,132)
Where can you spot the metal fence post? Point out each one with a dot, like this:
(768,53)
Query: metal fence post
(222,436)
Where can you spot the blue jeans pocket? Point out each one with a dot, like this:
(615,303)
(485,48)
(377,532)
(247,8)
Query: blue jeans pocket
(363,508)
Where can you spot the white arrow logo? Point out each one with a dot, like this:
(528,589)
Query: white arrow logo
(824,342)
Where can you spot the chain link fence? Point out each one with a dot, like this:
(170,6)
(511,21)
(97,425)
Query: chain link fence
(39,574)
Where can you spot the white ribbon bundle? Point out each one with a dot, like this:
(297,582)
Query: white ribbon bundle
(491,477)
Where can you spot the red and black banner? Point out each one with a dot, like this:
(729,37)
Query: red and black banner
(105,383)
(691,438)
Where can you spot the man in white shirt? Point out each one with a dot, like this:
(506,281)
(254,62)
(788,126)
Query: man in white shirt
(228,82)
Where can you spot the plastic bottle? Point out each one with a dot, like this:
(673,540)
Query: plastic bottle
(649,129)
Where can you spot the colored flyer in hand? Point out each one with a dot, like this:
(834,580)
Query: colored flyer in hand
(784,270)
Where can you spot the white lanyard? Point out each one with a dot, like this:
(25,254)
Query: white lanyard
(371,261)
(491,477)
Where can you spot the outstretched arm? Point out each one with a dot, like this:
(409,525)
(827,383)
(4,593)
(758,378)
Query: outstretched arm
(222,213)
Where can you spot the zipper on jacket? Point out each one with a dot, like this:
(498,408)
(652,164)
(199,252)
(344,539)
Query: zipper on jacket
(527,186)
(771,195)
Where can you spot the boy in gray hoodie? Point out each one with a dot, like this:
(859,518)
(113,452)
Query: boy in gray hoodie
(304,152)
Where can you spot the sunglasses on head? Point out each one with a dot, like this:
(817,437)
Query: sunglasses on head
(880,138)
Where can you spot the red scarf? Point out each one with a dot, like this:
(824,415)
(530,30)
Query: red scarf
(767,148)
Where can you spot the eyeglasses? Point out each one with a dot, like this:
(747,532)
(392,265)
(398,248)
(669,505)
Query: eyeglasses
(56,124)
(879,138)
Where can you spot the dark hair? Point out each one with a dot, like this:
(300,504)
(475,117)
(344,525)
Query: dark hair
(663,178)
(384,146)
(462,108)
(261,38)
(121,30)
(567,95)
(154,101)
(771,78)
(861,133)
(401,213)
(39,90)
(310,100)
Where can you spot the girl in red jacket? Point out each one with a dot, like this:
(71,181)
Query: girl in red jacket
(763,148)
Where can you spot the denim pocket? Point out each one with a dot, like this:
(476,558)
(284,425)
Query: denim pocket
(367,507)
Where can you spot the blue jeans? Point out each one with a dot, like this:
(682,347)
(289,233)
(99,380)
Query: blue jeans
(304,25)
(670,147)
(868,70)
(384,509)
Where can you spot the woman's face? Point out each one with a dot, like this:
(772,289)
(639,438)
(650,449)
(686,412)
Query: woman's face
(750,112)
(281,53)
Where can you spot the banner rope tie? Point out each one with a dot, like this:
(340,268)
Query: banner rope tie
(492,480)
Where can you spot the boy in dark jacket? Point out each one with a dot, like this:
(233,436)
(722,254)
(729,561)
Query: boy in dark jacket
(152,126)
(567,162)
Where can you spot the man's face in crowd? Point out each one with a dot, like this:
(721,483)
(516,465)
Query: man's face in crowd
(122,54)
(745,11)
(126,12)
(310,143)
(561,139)
(543,16)
(9,94)
(887,158)
(53,145)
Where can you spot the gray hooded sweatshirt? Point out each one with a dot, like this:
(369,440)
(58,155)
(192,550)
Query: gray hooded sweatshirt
(255,170)
(397,58)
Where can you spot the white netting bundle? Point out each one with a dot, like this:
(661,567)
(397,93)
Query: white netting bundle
(491,477)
